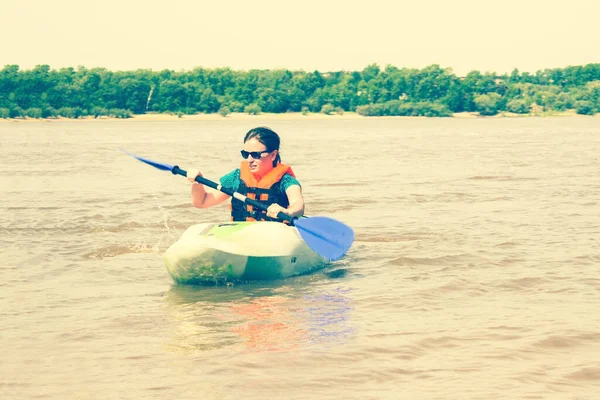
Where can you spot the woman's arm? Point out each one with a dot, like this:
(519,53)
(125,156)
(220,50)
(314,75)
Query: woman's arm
(206,197)
(203,197)
(296,207)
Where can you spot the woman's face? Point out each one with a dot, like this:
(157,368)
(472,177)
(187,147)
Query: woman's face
(262,164)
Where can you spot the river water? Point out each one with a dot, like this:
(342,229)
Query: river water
(475,273)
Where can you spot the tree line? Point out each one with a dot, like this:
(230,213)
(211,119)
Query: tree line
(42,92)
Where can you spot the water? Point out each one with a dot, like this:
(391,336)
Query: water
(475,273)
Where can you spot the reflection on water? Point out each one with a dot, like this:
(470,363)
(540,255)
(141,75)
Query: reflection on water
(268,323)
(329,316)
(257,317)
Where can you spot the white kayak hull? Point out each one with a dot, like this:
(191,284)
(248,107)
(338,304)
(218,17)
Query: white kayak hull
(239,251)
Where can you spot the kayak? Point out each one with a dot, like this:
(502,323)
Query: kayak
(239,251)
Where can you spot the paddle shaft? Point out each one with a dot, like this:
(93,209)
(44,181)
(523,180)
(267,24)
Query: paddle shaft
(257,204)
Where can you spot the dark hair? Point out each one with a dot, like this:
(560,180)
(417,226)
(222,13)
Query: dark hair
(267,137)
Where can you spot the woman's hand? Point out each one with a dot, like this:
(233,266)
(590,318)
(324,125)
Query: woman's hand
(275,209)
(192,174)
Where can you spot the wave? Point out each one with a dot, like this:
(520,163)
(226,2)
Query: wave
(499,178)
(182,205)
(586,374)
(124,227)
(334,184)
(568,340)
(41,208)
(392,238)
(528,282)
(118,250)
(499,198)
(506,245)
(441,260)
(132,225)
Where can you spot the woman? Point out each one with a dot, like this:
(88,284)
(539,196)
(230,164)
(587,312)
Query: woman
(261,176)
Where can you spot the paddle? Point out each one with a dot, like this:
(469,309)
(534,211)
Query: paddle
(325,236)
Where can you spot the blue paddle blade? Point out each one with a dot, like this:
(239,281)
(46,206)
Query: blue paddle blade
(325,236)
(164,167)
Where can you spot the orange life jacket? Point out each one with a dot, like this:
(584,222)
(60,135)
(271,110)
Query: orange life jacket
(267,190)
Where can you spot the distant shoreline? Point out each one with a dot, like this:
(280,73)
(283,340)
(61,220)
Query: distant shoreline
(285,117)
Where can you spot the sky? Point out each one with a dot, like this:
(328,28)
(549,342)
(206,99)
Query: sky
(308,35)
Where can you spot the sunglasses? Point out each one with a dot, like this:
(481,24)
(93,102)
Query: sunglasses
(256,155)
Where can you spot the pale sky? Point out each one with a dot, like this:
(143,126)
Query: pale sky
(325,35)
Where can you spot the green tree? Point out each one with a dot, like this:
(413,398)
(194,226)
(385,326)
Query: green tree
(517,106)
(432,90)
(487,104)
(252,109)
(224,111)
(585,107)
(328,109)
(34,112)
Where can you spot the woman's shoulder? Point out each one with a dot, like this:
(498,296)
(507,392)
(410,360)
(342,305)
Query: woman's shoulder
(231,179)
(235,172)
(288,180)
